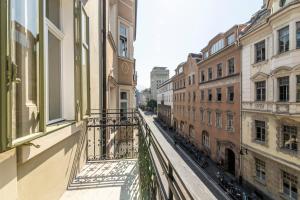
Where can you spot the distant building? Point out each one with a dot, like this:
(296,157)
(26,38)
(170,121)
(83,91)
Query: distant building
(158,76)
(165,102)
(145,97)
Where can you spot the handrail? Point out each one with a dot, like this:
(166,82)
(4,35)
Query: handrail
(169,170)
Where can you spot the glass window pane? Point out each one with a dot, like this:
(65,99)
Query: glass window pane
(24,45)
(84,81)
(53,11)
(84,27)
(54,77)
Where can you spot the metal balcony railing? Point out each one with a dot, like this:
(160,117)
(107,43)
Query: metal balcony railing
(122,134)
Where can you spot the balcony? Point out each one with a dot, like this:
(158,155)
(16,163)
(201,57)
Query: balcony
(291,108)
(127,160)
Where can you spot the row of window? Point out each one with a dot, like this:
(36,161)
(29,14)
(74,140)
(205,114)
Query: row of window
(179,84)
(219,71)
(283,43)
(190,114)
(289,181)
(219,45)
(289,135)
(218,94)
(218,119)
(283,89)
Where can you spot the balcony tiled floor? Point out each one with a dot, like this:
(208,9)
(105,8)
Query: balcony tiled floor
(113,180)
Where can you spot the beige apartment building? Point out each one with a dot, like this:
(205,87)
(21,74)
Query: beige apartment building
(270,100)
(55,63)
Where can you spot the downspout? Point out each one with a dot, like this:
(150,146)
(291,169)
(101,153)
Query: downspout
(104,85)
(241,112)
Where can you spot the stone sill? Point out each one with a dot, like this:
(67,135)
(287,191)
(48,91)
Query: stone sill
(36,146)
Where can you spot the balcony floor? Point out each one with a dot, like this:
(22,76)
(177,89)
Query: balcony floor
(111,179)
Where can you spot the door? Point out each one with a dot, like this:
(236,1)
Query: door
(230,160)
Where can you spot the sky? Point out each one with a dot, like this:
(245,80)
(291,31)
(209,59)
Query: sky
(168,30)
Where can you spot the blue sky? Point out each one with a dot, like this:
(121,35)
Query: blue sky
(167,30)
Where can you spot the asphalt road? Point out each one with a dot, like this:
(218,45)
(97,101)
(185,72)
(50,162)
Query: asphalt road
(200,185)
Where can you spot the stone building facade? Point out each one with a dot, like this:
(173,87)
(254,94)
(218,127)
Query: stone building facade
(270,100)
(219,97)
(165,103)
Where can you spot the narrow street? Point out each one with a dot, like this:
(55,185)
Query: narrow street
(198,182)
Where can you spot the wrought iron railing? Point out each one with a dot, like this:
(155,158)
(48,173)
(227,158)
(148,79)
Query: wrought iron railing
(120,134)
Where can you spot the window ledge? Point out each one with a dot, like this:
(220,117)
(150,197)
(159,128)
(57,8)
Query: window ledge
(257,64)
(260,181)
(32,146)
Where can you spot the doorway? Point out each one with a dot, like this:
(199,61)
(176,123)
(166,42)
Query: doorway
(230,161)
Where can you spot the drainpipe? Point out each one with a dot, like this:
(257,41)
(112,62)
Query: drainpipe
(104,85)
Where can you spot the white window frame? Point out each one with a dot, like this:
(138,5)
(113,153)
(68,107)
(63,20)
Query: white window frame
(50,27)
(127,39)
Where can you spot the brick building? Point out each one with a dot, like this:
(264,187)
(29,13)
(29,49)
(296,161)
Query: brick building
(219,113)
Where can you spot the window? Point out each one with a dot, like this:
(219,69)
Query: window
(260,128)
(24,45)
(260,91)
(260,51)
(229,121)
(193,78)
(289,185)
(194,96)
(219,94)
(202,115)
(54,79)
(53,12)
(217,46)
(209,73)
(219,70)
(202,95)
(282,3)
(205,54)
(260,168)
(123,41)
(231,39)
(85,63)
(190,81)
(54,65)
(209,117)
(289,134)
(298,88)
(123,105)
(283,83)
(230,94)
(218,120)
(209,94)
(205,139)
(231,66)
(284,41)
(202,76)
(298,35)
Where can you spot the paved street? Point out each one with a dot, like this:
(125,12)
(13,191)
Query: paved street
(199,183)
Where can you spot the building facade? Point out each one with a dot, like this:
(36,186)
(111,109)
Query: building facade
(145,97)
(52,78)
(165,102)
(158,76)
(179,99)
(270,100)
(219,87)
